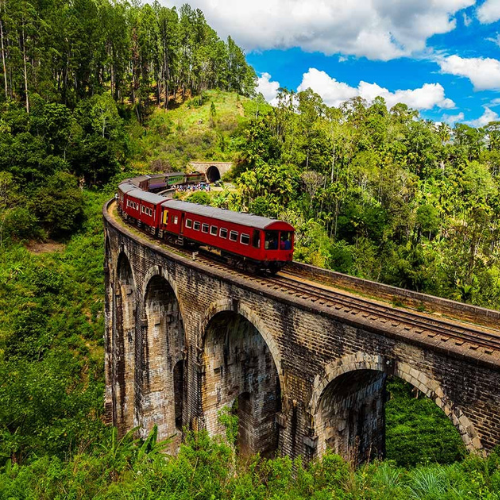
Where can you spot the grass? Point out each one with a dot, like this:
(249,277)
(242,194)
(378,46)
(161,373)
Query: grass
(190,132)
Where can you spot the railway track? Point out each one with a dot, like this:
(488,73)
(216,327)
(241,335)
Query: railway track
(406,321)
(396,317)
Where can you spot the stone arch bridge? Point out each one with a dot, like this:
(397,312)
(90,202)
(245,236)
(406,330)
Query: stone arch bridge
(186,338)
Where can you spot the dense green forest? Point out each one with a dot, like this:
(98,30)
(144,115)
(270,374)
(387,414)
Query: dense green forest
(381,194)
(97,91)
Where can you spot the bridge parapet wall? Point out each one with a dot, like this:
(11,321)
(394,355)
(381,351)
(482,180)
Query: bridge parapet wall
(400,296)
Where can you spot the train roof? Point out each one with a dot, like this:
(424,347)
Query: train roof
(146,196)
(165,174)
(125,187)
(244,219)
(137,180)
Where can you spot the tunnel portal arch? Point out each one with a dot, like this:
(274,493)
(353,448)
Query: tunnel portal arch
(213,174)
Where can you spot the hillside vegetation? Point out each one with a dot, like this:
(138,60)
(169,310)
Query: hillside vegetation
(53,441)
(94,92)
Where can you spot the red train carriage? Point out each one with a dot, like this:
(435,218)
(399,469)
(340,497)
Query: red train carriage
(142,206)
(259,241)
(123,189)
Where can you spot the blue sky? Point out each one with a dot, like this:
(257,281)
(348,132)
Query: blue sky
(441,57)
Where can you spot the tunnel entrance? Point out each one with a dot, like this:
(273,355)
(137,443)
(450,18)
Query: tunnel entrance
(124,347)
(162,375)
(240,374)
(213,174)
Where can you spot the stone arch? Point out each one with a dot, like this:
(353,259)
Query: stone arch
(161,348)
(238,365)
(213,174)
(236,306)
(162,272)
(123,345)
(375,364)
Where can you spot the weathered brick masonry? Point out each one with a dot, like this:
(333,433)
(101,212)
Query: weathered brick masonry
(184,340)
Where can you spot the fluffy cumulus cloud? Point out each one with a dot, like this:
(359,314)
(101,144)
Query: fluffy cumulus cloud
(487,117)
(335,93)
(268,88)
(452,119)
(489,11)
(484,73)
(377,29)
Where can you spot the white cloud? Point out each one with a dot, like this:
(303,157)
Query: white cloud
(484,73)
(467,20)
(268,89)
(495,40)
(452,119)
(487,117)
(335,93)
(489,12)
(377,29)
(494,102)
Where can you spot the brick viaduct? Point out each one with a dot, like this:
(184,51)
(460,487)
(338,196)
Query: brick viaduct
(185,339)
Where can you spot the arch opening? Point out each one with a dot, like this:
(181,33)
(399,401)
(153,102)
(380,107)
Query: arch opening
(240,374)
(351,419)
(213,174)
(162,363)
(366,414)
(417,429)
(124,347)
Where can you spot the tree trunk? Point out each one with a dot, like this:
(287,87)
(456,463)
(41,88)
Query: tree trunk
(3,61)
(25,72)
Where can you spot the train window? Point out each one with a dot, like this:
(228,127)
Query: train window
(213,230)
(196,226)
(175,219)
(204,228)
(233,235)
(245,239)
(189,223)
(272,238)
(223,232)
(286,241)
(256,238)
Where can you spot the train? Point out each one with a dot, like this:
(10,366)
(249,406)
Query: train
(247,241)
(155,183)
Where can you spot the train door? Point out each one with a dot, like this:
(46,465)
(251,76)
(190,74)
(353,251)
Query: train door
(165,217)
(181,229)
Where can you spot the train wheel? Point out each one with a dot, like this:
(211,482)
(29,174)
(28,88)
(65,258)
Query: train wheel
(274,268)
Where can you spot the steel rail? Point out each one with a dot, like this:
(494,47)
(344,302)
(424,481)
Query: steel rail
(372,310)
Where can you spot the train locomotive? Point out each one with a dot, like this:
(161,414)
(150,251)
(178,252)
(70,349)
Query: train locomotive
(245,240)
